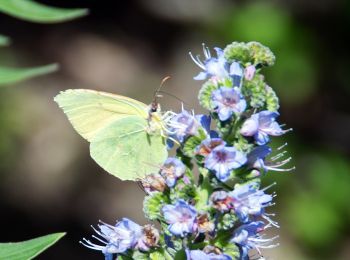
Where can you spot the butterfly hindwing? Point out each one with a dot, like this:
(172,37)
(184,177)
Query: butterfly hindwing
(125,150)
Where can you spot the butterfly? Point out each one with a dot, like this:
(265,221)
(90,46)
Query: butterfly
(127,137)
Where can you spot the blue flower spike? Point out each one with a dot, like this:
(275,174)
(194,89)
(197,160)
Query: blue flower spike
(207,196)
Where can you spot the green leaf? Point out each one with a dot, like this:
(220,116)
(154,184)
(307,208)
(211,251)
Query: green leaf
(34,12)
(13,75)
(4,40)
(28,249)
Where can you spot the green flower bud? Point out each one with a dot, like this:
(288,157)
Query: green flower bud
(261,54)
(272,102)
(152,205)
(191,143)
(232,250)
(242,144)
(227,221)
(238,51)
(183,191)
(204,95)
(255,90)
(223,242)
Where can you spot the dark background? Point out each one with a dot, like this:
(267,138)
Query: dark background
(48,182)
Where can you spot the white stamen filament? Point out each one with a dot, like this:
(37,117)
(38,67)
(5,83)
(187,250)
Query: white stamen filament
(99,239)
(282,146)
(206,51)
(280,170)
(94,247)
(197,61)
(281,163)
(274,158)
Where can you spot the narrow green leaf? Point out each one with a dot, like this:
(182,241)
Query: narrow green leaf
(4,40)
(28,249)
(31,11)
(13,75)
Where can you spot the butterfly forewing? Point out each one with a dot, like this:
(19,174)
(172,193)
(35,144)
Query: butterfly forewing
(90,111)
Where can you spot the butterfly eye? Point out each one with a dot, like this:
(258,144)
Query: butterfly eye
(154,108)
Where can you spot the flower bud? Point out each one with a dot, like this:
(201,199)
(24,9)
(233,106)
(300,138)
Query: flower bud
(149,238)
(153,182)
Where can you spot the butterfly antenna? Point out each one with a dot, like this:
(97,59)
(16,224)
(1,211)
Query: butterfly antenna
(155,95)
(154,106)
(171,95)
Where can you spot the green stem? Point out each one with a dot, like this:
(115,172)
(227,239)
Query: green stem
(231,135)
(204,190)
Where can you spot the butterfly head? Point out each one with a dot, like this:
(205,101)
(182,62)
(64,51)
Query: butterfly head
(154,107)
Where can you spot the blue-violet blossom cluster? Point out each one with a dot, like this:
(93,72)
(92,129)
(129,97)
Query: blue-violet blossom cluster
(207,198)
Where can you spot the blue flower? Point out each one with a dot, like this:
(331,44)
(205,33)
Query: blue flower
(116,239)
(196,255)
(213,67)
(236,73)
(208,145)
(257,160)
(248,237)
(183,125)
(247,200)
(227,101)
(171,170)
(180,217)
(205,121)
(200,255)
(261,125)
(223,159)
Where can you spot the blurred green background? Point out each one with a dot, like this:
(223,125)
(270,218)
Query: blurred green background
(48,183)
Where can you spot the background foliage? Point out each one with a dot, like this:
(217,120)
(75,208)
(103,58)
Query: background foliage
(48,181)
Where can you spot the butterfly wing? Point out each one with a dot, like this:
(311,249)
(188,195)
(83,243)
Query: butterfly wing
(90,111)
(127,151)
(115,127)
